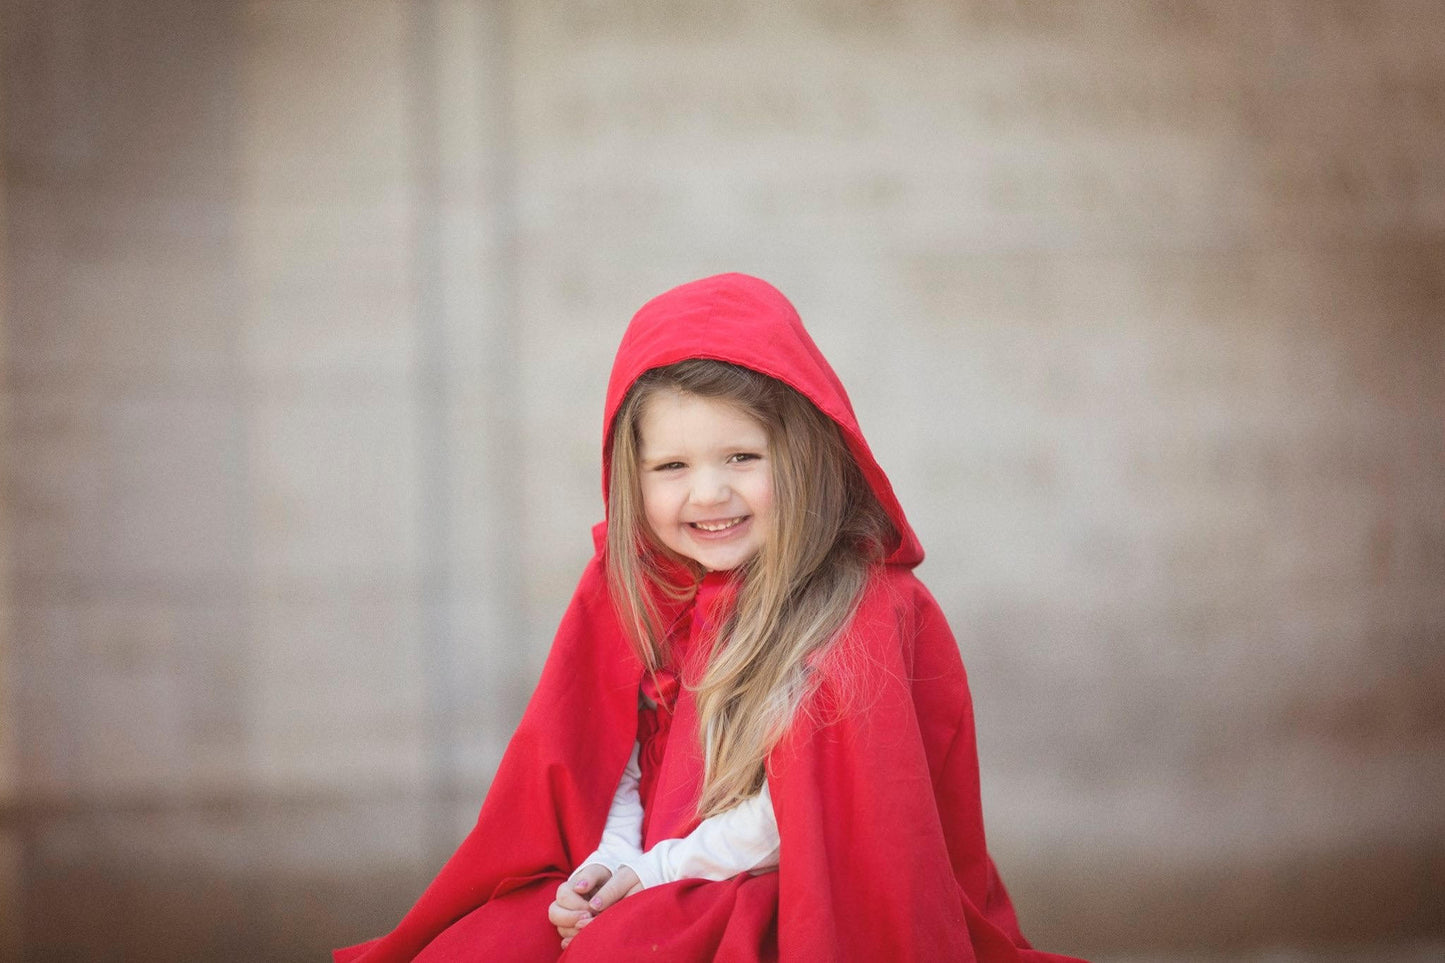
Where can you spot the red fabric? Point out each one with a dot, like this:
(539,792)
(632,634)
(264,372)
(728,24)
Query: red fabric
(875,787)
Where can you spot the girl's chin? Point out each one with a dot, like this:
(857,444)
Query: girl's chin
(722,561)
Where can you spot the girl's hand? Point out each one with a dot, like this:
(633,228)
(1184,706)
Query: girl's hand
(624,882)
(570,912)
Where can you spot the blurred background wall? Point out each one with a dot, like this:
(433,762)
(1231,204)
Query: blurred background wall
(307,313)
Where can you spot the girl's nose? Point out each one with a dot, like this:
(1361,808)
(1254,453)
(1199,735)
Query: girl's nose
(709,488)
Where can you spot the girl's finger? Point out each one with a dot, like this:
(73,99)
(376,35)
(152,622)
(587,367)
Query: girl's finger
(590,879)
(622,882)
(605,897)
(565,917)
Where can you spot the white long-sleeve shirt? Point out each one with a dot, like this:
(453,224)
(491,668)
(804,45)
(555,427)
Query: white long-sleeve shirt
(741,840)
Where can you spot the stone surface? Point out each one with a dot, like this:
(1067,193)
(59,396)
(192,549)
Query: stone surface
(307,314)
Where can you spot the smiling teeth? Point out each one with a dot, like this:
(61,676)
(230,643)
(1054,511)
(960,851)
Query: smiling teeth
(717,526)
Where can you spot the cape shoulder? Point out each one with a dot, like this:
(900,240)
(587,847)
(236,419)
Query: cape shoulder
(875,789)
(897,647)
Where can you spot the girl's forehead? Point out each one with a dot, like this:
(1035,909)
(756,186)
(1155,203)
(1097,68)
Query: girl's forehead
(672,412)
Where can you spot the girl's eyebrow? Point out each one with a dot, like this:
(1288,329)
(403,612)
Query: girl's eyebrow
(749,445)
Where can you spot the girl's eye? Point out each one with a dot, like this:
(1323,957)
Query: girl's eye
(743,456)
(668,466)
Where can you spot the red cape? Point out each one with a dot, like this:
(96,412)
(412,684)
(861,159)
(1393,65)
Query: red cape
(875,788)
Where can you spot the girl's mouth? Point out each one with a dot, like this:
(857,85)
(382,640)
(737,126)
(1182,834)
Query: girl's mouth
(720,525)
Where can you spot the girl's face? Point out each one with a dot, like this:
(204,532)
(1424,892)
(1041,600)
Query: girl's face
(707,480)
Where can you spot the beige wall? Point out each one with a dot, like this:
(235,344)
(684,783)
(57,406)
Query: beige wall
(309,314)
(7,702)
(10,849)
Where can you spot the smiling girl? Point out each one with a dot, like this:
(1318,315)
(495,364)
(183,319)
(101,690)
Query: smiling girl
(753,738)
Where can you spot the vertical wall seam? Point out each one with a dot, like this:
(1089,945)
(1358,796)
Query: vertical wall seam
(431,396)
(505,426)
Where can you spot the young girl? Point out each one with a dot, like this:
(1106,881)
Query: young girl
(753,738)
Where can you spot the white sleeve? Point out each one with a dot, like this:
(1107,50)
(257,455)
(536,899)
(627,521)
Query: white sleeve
(744,839)
(622,836)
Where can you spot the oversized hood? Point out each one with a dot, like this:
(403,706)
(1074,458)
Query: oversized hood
(746,321)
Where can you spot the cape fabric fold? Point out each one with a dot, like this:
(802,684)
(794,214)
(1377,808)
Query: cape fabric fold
(875,786)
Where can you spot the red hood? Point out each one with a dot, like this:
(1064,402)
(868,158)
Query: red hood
(748,322)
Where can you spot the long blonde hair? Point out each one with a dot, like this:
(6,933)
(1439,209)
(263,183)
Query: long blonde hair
(795,594)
